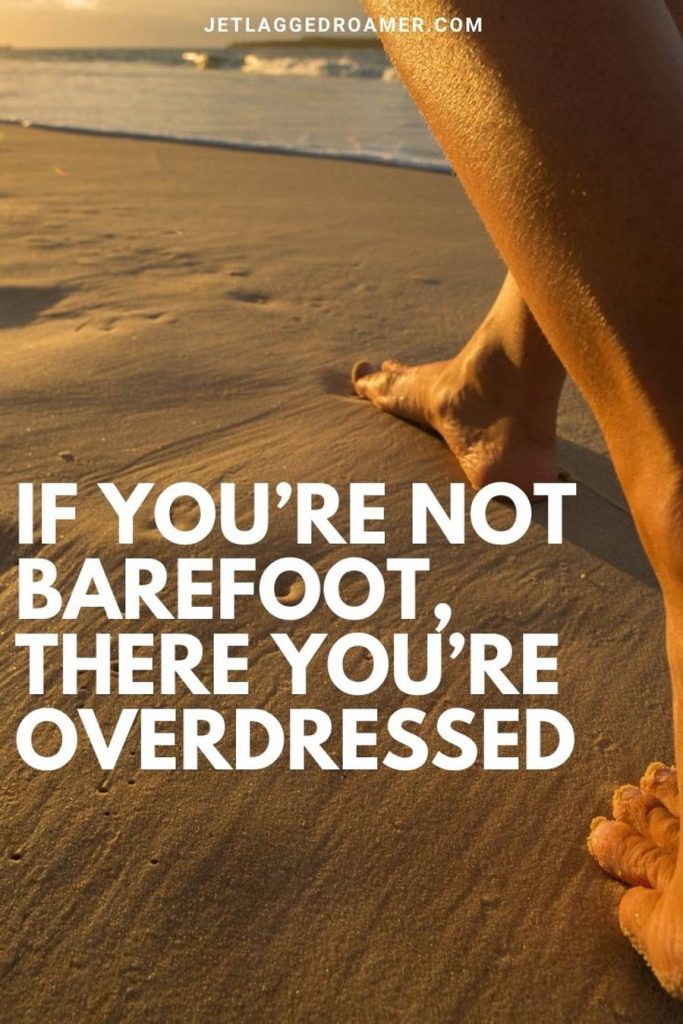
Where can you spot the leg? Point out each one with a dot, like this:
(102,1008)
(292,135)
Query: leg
(563,123)
(494,404)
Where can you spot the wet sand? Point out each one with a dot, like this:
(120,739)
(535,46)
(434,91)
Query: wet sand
(169,312)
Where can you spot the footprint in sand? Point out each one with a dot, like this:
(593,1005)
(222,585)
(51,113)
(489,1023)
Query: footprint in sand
(159,316)
(253,298)
(603,743)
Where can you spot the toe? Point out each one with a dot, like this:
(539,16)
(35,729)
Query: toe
(646,816)
(635,909)
(661,781)
(632,805)
(360,369)
(662,828)
(376,387)
(625,854)
(402,390)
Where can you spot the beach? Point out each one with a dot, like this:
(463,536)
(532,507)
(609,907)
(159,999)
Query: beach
(173,312)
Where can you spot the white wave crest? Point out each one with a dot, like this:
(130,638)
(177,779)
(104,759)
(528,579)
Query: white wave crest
(310,67)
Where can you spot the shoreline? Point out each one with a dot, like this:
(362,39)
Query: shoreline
(237,147)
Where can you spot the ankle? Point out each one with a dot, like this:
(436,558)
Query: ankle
(515,375)
(659,518)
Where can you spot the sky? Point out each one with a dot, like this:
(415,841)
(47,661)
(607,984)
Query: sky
(105,23)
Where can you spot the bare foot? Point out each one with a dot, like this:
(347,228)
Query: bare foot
(639,847)
(495,406)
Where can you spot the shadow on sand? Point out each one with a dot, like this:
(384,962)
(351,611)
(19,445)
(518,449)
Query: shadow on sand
(601,522)
(21,305)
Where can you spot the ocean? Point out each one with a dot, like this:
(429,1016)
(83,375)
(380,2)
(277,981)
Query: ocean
(322,99)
